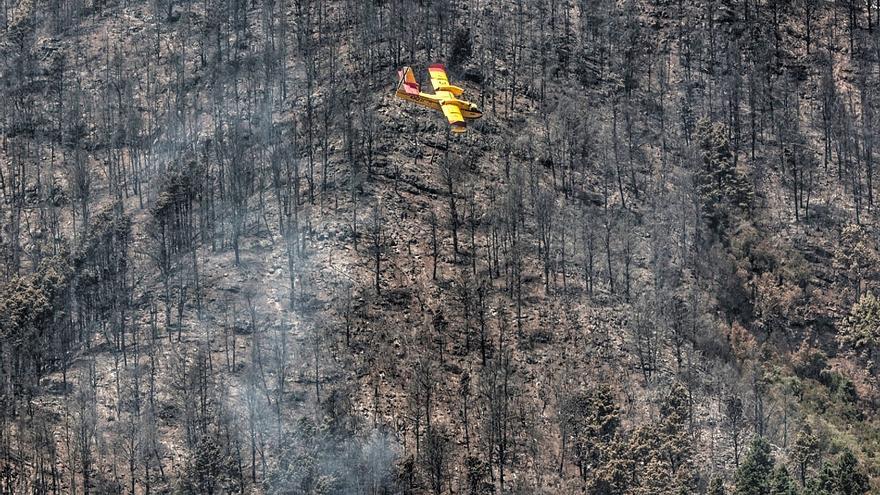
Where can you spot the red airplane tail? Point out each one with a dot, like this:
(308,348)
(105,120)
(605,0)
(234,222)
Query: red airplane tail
(408,83)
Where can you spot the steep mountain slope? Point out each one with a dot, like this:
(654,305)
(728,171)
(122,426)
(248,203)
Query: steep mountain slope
(233,262)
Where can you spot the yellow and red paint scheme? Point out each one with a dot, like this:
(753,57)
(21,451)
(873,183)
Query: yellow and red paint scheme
(444,99)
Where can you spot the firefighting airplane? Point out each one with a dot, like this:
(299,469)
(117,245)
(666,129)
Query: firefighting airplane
(444,97)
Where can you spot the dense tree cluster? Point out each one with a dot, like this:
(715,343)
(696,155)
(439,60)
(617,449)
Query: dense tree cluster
(761,474)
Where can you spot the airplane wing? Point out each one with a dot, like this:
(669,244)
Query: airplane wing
(453,115)
(438,76)
(441,82)
(446,91)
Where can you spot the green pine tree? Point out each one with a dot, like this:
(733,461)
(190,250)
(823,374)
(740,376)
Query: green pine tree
(822,483)
(849,478)
(843,477)
(781,482)
(723,190)
(662,452)
(589,418)
(861,329)
(805,452)
(716,487)
(753,475)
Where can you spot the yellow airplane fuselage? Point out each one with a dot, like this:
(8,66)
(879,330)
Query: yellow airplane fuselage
(445,98)
(434,101)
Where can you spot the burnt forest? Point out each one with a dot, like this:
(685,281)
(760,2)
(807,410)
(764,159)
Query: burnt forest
(234,260)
